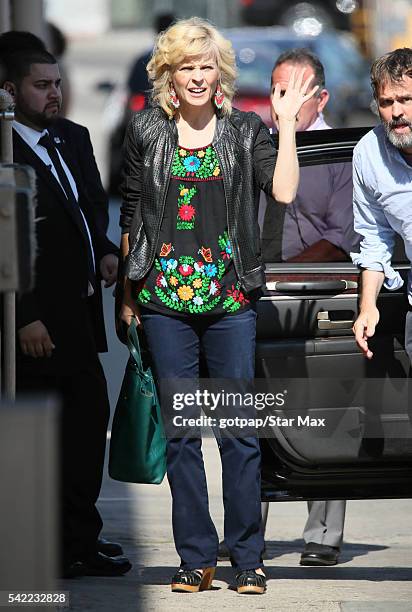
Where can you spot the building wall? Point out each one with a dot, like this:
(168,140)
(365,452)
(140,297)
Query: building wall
(103,15)
(74,20)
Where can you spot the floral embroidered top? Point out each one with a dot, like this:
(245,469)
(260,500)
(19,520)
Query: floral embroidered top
(193,272)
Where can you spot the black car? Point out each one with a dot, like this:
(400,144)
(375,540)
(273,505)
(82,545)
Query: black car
(306,350)
(346,70)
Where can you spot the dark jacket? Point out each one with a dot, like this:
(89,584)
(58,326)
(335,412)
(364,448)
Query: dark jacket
(247,158)
(59,297)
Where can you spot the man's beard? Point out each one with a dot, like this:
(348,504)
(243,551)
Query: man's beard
(400,141)
(44,120)
(40,119)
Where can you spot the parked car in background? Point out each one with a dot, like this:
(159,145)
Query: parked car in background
(347,79)
(305,346)
(347,72)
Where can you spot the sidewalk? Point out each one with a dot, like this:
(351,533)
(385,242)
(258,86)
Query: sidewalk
(375,572)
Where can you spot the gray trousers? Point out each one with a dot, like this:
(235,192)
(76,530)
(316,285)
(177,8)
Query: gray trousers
(325,522)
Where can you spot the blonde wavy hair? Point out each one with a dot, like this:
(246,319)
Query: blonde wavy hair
(190,38)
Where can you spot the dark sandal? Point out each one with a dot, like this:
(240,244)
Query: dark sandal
(250,582)
(192,581)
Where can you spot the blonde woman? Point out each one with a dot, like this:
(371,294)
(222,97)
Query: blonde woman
(192,174)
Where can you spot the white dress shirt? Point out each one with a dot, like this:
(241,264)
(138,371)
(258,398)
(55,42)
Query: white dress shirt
(32,137)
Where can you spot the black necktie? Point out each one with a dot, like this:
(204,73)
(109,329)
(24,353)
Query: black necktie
(46,142)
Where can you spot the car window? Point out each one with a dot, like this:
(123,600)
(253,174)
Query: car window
(318,225)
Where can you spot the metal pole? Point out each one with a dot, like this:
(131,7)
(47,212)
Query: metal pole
(9,299)
(5,18)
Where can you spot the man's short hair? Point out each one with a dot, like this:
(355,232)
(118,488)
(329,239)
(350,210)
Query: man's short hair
(304,56)
(392,67)
(16,65)
(19,40)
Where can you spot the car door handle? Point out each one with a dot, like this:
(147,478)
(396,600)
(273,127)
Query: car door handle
(311,286)
(325,323)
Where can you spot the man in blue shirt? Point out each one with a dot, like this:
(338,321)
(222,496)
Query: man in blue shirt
(382,179)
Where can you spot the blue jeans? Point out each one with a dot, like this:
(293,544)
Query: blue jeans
(228,344)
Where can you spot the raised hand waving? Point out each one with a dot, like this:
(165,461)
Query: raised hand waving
(288,106)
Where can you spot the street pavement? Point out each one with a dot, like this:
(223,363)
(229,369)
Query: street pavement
(375,570)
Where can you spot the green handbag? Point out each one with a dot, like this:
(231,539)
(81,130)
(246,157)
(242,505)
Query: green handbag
(138,443)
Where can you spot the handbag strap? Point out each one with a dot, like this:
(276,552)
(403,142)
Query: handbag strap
(133,344)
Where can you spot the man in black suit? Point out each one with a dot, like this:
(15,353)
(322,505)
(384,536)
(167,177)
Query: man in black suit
(60,323)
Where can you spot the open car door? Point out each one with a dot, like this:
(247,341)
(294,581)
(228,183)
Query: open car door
(306,347)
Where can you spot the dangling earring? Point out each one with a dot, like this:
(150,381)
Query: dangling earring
(174,100)
(219,97)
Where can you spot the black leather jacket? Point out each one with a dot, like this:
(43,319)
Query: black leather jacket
(247,158)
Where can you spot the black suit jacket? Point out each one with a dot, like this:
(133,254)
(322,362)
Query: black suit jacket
(59,298)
